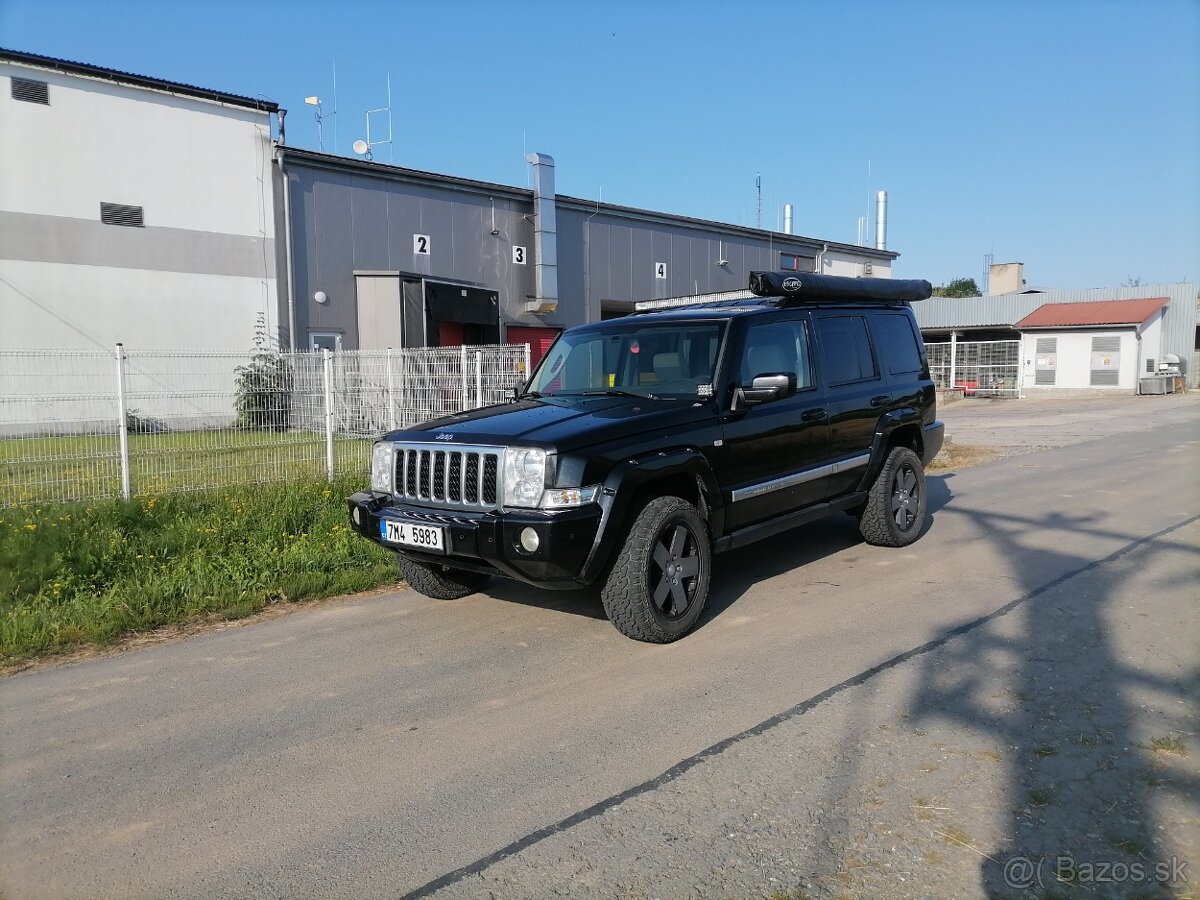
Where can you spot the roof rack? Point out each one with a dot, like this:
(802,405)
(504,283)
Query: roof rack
(815,288)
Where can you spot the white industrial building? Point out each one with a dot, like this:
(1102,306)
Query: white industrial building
(134,210)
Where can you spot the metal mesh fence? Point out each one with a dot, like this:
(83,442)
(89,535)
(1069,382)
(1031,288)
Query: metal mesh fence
(94,424)
(977,368)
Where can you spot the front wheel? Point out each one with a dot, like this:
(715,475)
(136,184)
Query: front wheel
(658,584)
(440,582)
(895,510)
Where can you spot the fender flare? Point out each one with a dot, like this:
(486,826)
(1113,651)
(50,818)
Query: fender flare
(888,423)
(627,477)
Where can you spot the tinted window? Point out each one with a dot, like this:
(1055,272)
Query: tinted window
(897,343)
(776,347)
(846,349)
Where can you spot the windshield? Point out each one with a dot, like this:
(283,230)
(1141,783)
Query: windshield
(650,360)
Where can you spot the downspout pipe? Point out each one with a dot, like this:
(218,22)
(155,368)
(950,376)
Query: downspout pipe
(287,247)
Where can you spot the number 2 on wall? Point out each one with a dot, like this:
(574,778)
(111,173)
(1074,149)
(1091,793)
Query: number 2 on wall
(421,244)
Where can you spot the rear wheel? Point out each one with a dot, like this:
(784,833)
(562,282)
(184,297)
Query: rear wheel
(658,584)
(896,505)
(440,582)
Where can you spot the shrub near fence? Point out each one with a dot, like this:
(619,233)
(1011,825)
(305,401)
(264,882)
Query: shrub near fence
(84,425)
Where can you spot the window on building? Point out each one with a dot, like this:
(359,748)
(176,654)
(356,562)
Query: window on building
(792,262)
(122,214)
(324,340)
(31,91)
(846,349)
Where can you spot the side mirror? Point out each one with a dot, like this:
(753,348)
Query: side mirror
(517,390)
(764,389)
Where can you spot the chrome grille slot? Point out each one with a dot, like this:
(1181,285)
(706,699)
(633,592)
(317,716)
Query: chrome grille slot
(449,477)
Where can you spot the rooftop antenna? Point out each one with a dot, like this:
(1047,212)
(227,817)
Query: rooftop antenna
(334,113)
(365,148)
(320,115)
(758,185)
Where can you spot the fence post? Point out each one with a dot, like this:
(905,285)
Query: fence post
(953,356)
(122,421)
(391,393)
(478,378)
(527,372)
(328,412)
(463,353)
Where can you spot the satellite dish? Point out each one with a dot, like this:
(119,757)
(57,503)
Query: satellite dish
(361,147)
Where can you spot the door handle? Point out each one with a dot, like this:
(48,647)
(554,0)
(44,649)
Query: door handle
(881,400)
(812,415)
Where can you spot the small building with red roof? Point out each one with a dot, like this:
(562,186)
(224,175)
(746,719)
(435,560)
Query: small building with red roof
(1106,344)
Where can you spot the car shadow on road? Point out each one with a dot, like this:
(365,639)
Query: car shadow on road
(736,571)
(739,570)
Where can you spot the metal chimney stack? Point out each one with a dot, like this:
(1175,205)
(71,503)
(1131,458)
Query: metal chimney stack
(787,218)
(881,220)
(545,235)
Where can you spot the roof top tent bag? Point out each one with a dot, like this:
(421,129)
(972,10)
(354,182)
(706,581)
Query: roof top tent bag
(815,288)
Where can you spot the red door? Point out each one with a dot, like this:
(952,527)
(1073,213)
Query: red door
(538,339)
(450,334)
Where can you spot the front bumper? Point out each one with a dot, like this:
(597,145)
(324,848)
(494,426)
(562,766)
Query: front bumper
(489,542)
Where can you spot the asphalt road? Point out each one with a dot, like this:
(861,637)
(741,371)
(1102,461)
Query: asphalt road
(370,747)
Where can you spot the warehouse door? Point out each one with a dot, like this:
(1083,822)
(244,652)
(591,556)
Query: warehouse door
(538,339)
(378,298)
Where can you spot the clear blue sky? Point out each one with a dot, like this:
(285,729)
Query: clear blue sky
(1065,134)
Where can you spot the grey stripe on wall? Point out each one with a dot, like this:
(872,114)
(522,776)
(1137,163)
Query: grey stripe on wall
(59,239)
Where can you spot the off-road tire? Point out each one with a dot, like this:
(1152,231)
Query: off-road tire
(896,503)
(440,582)
(666,552)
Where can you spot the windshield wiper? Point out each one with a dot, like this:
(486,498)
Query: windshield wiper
(534,394)
(616,392)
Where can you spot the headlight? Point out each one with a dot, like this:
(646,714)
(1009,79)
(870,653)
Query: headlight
(524,477)
(566,498)
(382,467)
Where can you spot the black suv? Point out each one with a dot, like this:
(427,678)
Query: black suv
(643,445)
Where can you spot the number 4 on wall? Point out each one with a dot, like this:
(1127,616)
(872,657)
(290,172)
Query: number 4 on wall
(421,244)
(660,270)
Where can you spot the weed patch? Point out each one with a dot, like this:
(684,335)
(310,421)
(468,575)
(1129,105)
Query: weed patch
(90,573)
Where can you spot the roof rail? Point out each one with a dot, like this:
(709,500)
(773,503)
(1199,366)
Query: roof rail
(815,288)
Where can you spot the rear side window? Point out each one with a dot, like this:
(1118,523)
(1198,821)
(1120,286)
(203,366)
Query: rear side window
(897,343)
(846,349)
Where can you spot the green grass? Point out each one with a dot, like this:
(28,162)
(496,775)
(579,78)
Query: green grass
(75,574)
(38,470)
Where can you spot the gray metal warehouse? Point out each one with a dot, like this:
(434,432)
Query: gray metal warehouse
(382,256)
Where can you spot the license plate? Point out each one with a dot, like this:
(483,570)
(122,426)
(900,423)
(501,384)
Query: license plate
(430,538)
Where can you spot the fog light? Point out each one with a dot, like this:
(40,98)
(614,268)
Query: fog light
(356,515)
(529,540)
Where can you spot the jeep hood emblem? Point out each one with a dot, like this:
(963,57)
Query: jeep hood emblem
(444,436)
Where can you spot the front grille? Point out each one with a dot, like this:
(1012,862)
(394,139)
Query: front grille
(459,478)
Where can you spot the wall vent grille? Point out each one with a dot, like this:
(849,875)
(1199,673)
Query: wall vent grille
(31,91)
(121,214)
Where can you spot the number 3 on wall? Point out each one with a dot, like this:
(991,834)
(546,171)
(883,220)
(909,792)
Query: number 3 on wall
(518,255)
(421,244)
